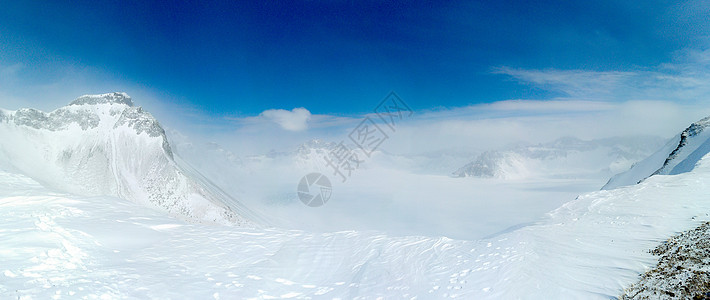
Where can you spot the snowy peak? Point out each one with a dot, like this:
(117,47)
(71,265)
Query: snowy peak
(111,110)
(103,145)
(315,144)
(89,111)
(689,133)
(314,150)
(495,164)
(679,155)
(109,98)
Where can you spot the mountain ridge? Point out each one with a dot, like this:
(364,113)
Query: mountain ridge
(107,98)
(679,155)
(105,145)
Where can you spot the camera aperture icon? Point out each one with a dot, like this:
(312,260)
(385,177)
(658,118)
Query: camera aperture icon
(314,189)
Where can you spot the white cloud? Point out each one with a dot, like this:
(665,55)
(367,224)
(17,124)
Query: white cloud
(684,79)
(294,120)
(575,83)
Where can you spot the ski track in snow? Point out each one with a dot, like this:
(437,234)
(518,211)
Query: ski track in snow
(62,246)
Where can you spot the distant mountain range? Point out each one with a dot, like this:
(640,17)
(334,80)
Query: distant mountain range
(563,158)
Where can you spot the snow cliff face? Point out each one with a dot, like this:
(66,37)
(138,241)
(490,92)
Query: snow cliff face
(104,145)
(679,155)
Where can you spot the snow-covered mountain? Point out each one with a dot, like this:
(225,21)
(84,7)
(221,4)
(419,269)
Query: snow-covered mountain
(563,158)
(497,164)
(104,145)
(679,155)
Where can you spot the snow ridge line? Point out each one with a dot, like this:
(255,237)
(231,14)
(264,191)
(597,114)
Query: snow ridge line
(692,130)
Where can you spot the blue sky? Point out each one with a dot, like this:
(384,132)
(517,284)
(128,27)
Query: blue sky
(240,58)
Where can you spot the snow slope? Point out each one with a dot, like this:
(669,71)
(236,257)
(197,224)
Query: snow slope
(679,155)
(60,245)
(75,241)
(104,145)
